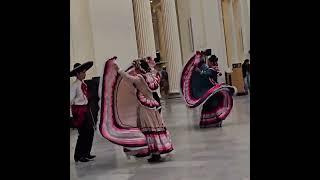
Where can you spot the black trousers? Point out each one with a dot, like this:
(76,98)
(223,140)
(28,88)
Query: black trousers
(85,138)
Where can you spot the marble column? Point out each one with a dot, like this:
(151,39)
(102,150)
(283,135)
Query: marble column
(160,32)
(172,44)
(81,38)
(144,28)
(235,54)
(245,25)
(248,4)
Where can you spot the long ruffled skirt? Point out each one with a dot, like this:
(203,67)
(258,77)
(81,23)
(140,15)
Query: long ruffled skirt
(157,135)
(216,109)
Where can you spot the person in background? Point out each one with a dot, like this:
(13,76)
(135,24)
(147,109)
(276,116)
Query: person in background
(156,71)
(164,83)
(246,74)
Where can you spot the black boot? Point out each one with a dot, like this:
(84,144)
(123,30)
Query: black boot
(82,159)
(155,158)
(91,157)
(219,124)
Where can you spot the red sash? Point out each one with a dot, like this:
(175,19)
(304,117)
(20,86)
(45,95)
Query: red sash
(78,113)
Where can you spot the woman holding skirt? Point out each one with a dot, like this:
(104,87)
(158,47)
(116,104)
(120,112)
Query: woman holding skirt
(129,113)
(199,87)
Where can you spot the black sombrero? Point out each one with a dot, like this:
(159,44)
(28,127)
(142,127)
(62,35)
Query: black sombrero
(80,67)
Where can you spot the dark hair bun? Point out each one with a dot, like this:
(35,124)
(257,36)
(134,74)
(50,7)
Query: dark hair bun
(145,66)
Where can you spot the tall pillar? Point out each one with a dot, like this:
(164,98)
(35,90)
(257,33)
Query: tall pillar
(240,33)
(172,44)
(245,24)
(235,54)
(204,43)
(81,39)
(160,32)
(144,28)
(184,14)
(248,4)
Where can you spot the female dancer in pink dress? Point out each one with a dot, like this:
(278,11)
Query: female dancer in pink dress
(129,113)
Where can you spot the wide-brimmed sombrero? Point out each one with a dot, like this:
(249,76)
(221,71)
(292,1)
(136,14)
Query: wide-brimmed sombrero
(161,62)
(80,67)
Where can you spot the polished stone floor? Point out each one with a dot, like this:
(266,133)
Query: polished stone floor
(201,154)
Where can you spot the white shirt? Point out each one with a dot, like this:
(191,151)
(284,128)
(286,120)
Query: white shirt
(76,94)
